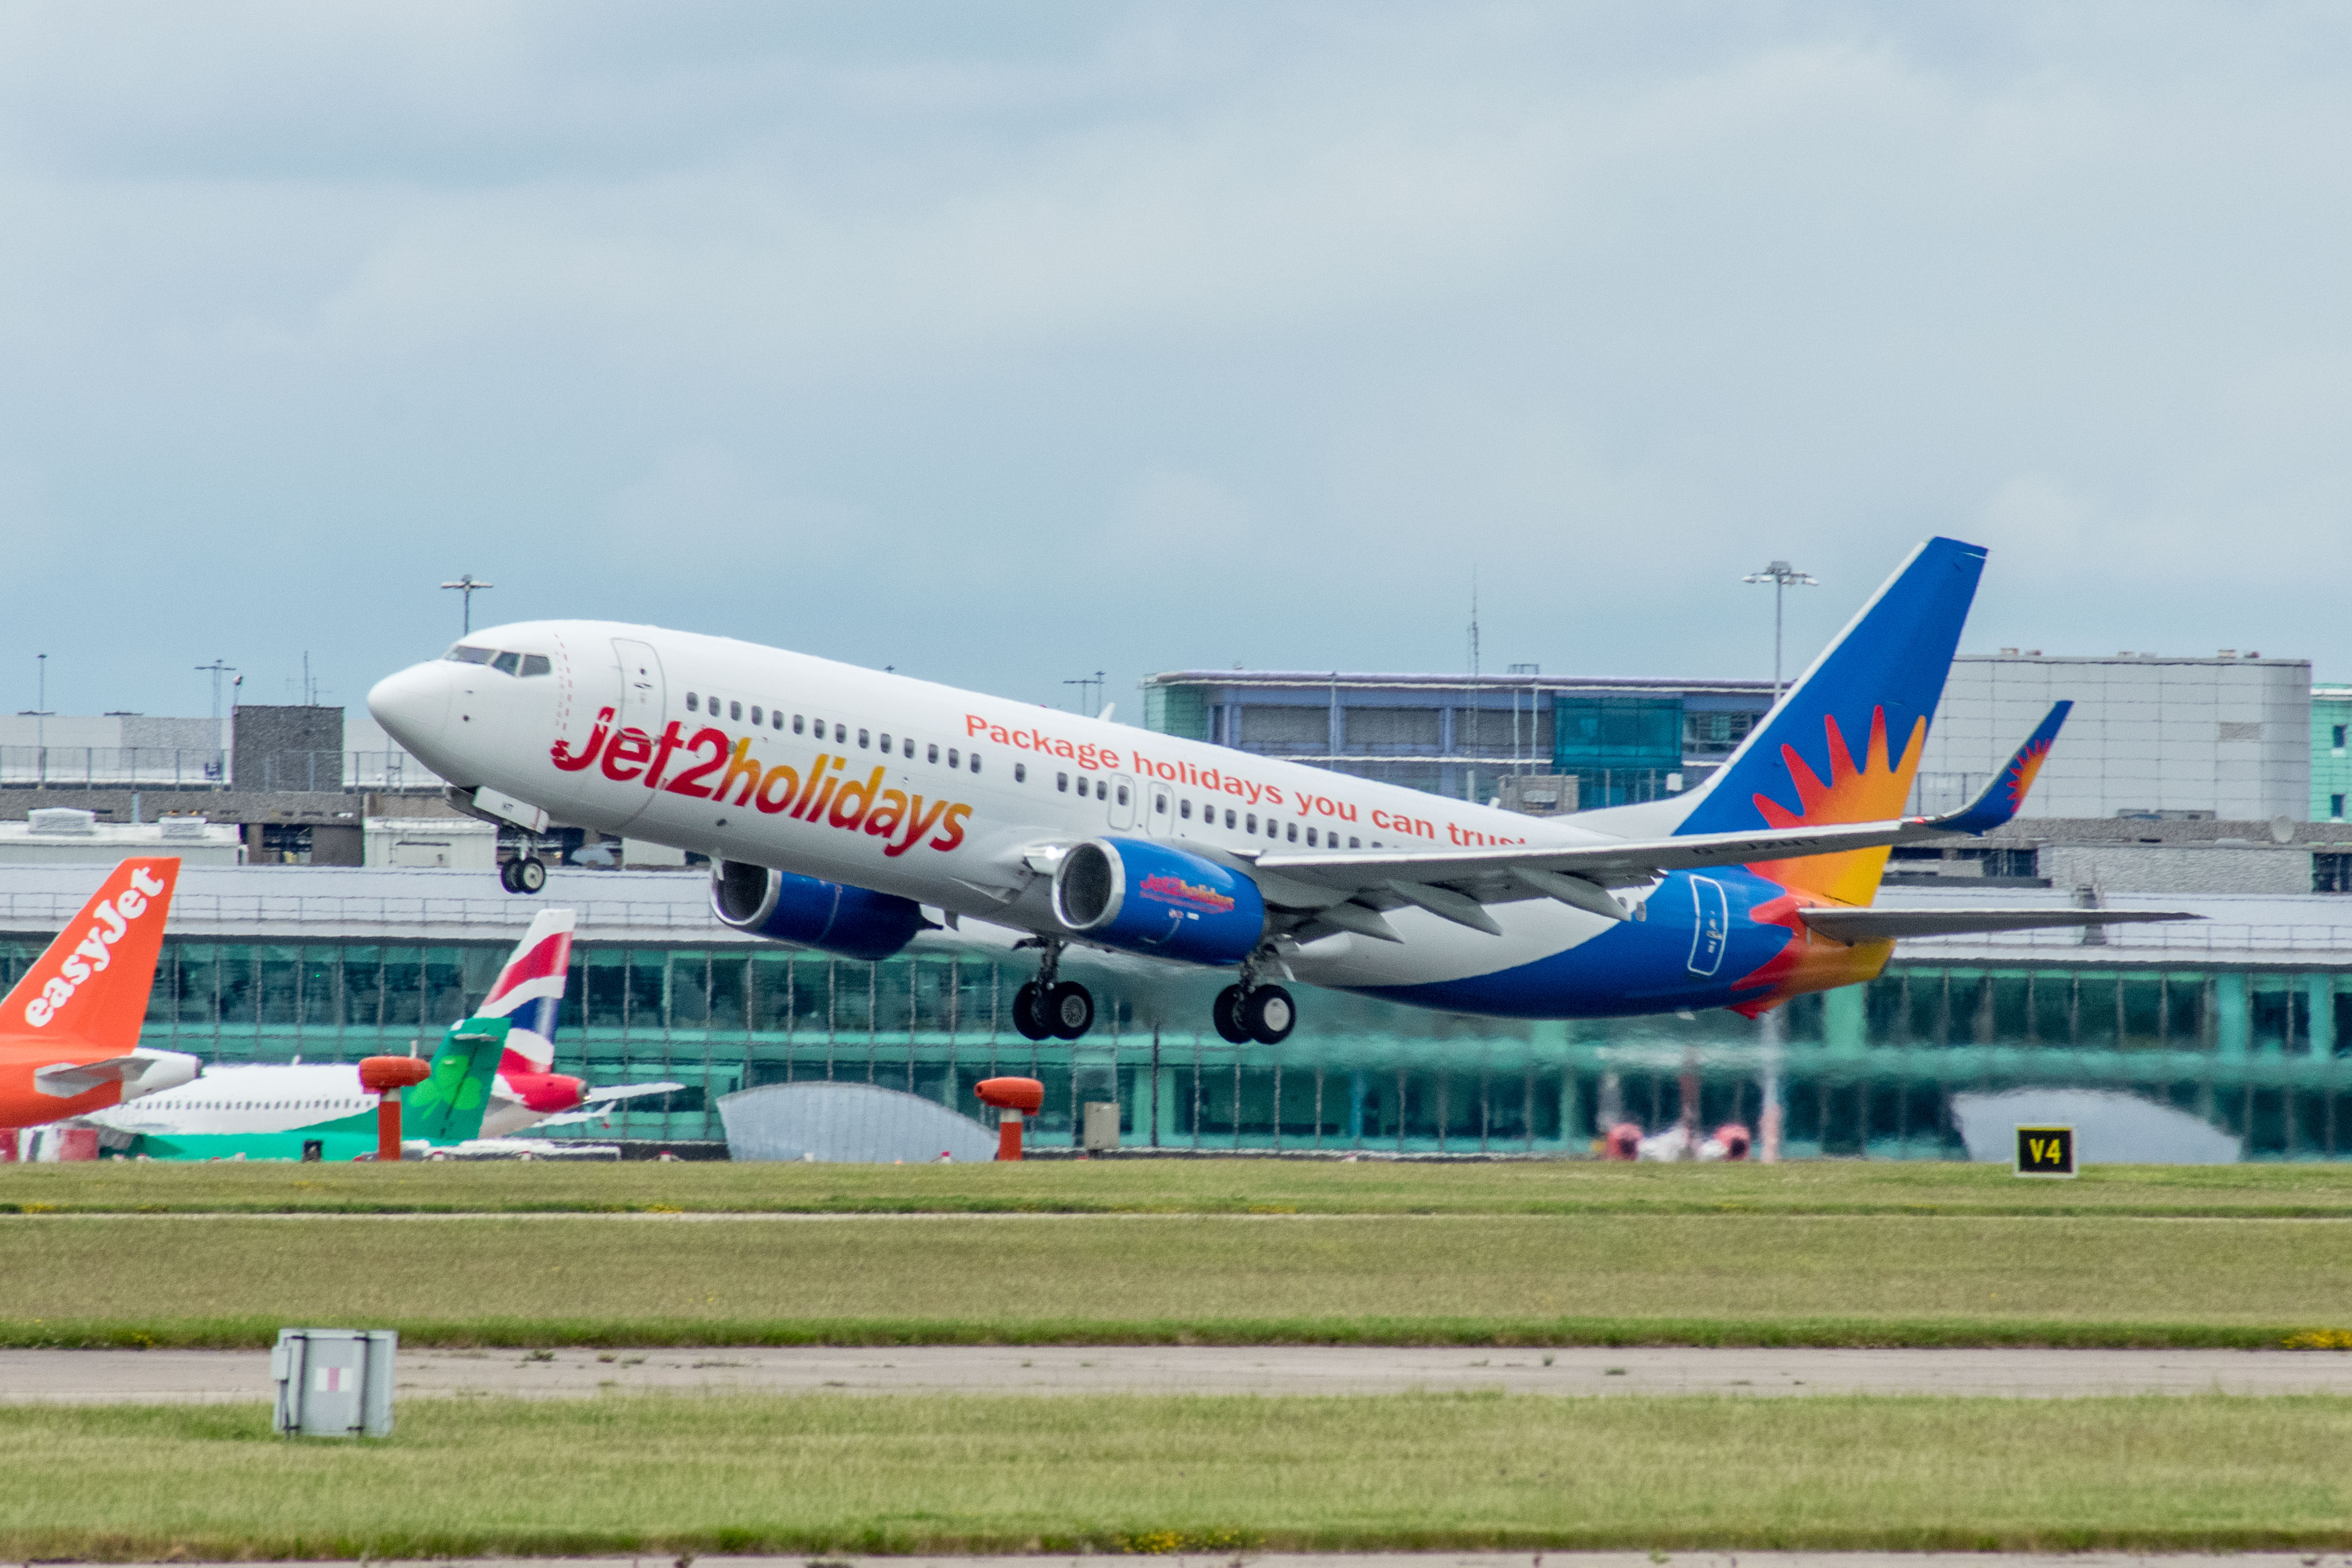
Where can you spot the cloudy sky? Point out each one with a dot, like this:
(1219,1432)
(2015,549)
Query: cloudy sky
(1002,342)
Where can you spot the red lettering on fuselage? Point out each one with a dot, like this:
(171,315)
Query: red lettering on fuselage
(862,806)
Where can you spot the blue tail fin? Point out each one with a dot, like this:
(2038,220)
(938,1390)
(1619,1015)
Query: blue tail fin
(1843,746)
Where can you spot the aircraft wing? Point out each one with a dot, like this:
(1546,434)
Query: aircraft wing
(1348,893)
(1622,862)
(624,1091)
(566,1119)
(599,1104)
(1873,924)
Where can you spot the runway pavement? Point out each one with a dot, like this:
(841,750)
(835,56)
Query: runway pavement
(1455,1560)
(140,1376)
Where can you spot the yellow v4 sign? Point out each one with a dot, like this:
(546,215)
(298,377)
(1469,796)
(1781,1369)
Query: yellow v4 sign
(2045,1152)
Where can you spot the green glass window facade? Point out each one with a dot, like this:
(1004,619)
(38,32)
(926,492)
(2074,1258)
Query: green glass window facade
(1621,749)
(2264,1053)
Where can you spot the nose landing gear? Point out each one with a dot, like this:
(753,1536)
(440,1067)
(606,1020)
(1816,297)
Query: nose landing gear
(1049,1008)
(523,874)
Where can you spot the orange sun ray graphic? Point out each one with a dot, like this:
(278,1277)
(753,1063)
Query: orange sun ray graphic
(1874,792)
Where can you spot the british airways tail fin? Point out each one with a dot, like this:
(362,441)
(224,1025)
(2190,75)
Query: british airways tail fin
(529,992)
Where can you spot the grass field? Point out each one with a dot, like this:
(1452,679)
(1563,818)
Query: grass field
(1478,1279)
(1188,1186)
(649,1473)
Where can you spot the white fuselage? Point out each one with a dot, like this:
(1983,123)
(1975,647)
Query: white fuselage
(243,1100)
(947,797)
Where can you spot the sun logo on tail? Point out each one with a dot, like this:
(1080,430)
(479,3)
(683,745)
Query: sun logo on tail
(1874,792)
(2025,766)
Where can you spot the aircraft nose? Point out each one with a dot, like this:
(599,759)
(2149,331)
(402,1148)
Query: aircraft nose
(413,706)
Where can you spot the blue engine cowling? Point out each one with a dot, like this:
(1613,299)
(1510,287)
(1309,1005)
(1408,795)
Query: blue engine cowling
(855,922)
(1150,898)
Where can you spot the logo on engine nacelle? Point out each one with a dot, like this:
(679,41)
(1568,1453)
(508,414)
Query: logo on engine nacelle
(1167,889)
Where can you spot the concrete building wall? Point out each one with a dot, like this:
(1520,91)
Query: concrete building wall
(66,751)
(68,837)
(2230,737)
(440,843)
(112,730)
(2178,868)
(286,748)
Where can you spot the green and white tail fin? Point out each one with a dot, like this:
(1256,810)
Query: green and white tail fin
(448,1106)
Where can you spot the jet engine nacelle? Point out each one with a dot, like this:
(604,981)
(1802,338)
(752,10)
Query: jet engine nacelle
(856,922)
(1152,898)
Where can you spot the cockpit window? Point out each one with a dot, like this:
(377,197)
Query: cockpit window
(461,654)
(507,663)
(537,664)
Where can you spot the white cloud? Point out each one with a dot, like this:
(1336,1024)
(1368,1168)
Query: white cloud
(964,311)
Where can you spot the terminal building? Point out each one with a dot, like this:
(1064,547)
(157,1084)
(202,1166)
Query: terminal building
(1462,736)
(2243,1021)
(2173,774)
(2227,738)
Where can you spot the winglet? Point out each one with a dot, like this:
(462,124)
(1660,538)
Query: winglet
(2006,794)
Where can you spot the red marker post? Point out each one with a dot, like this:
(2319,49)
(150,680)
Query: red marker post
(1014,1097)
(385,1076)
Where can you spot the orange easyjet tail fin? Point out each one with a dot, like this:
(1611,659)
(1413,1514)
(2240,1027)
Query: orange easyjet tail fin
(91,984)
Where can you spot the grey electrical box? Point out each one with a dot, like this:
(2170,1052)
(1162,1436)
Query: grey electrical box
(334,1383)
(1099,1129)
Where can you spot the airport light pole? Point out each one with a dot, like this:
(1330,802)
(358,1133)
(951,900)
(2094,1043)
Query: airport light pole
(216,668)
(1783,577)
(468,585)
(1090,693)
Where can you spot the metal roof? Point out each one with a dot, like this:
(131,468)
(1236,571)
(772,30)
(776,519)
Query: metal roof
(1326,679)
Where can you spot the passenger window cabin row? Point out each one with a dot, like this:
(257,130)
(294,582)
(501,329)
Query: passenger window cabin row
(905,745)
(1236,820)
(1246,822)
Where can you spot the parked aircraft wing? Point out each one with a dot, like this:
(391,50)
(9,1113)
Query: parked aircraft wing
(626,1091)
(1875,925)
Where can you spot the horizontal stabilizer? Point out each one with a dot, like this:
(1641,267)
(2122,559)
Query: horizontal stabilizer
(1879,925)
(138,1072)
(626,1092)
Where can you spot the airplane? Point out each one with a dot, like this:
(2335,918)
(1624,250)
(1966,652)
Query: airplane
(267,1099)
(838,805)
(214,1118)
(70,1027)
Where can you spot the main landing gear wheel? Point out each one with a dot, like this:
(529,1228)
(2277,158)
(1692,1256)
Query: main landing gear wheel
(1029,1019)
(1225,1012)
(524,874)
(1269,1015)
(1069,1009)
